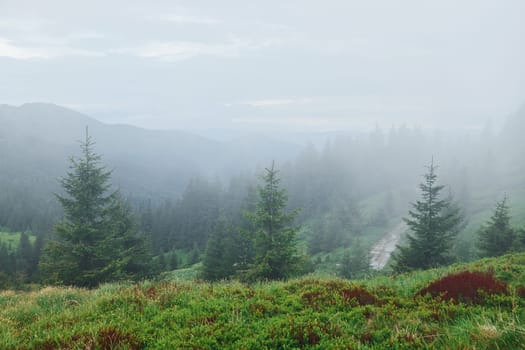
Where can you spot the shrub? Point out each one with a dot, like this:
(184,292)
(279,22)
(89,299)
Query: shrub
(465,287)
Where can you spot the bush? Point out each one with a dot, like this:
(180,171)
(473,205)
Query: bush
(465,287)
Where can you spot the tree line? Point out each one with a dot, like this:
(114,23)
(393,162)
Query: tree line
(104,237)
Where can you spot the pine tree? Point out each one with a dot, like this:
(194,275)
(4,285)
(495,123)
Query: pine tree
(274,238)
(520,238)
(345,267)
(37,253)
(161,262)
(434,224)
(95,242)
(225,253)
(497,236)
(214,264)
(355,261)
(128,253)
(4,259)
(173,261)
(24,256)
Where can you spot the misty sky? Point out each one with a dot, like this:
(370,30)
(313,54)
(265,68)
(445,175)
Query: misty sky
(267,65)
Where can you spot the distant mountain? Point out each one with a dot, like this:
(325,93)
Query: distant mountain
(36,140)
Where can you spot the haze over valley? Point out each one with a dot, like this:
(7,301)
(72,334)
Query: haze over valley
(279,175)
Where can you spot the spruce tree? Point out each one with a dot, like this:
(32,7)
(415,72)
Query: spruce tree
(173,262)
(24,256)
(520,239)
(96,241)
(497,236)
(225,254)
(434,223)
(127,253)
(214,265)
(345,267)
(355,261)
(274,237)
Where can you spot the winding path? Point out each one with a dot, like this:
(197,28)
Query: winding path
(382,250)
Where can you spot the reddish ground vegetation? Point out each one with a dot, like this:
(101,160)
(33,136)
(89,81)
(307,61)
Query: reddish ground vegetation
(465,286)
(151,292)
(521,291)
(318,298)
(360,294)
(111,338)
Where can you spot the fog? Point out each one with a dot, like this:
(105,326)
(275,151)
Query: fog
(218,68)
(331,112)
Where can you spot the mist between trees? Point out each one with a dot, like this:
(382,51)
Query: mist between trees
(330,203)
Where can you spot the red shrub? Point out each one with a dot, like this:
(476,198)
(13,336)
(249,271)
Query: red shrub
(465,286)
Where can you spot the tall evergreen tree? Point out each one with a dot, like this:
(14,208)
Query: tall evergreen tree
(275,246)
(95,241)
(520,238)
(355,261)
(434,224)
(24,257)
(497,236)
(128,254)
(227,252)
(216,265)
(5,259)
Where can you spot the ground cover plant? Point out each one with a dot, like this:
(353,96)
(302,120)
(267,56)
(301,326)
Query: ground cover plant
(313,312)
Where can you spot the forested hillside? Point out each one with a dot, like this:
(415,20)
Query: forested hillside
(36,141)
(186,191)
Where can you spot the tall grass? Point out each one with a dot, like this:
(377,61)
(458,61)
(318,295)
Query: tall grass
(311,312)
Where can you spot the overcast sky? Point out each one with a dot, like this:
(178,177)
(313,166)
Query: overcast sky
(267,65)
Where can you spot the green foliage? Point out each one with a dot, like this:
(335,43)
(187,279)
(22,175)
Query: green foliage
(18,259)
(520,239)
(218,262)
(304,313)
(97,240)
(355,262)
(434,224)
(12,239)
(274,238)
(497,237)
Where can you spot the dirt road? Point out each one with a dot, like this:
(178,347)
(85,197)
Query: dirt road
(382,250)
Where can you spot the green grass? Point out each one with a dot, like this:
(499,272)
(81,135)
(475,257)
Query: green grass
(184,274)
(306,313)
(12,239)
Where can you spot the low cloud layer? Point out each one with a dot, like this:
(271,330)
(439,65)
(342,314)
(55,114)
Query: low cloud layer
(297,65)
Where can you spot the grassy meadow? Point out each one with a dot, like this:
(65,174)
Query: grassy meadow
(12,239)
(306,313)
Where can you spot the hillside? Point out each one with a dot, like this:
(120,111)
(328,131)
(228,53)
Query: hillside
(37,139)
(306,313)
(44,136)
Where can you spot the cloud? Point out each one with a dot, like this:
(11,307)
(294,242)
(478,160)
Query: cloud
(18,52)
(7,49)
(182,50)
(185,19)
(274,102)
